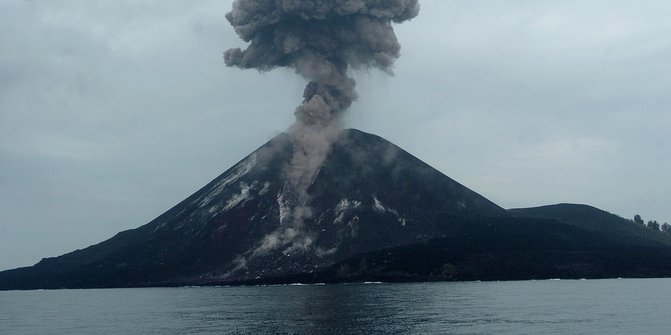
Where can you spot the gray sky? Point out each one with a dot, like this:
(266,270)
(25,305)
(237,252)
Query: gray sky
(111,112)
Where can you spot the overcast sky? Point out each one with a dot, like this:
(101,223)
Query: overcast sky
(111,112)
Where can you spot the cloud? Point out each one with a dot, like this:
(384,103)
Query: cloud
(495,80)
(112,113)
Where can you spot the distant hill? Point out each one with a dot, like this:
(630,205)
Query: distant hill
(374,212)
(596,220)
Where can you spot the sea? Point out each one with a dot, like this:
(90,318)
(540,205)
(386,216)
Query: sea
(615,306)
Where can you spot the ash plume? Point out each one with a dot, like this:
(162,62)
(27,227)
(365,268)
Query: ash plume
(321,40)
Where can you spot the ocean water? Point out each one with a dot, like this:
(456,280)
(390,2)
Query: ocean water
(624,306)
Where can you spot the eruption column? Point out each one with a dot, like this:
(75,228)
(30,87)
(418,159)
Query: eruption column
(321,40)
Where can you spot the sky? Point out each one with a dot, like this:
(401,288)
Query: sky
(112,112)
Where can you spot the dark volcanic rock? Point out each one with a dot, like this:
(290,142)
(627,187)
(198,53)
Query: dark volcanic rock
(368,195)
(612,227)
(374,212)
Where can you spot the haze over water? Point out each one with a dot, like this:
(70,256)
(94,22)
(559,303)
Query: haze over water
(638,306)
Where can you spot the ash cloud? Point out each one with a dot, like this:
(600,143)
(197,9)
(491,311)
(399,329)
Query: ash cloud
(321,40)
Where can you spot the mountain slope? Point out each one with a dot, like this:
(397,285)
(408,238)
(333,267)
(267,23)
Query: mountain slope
(368,195)
(371,212)
(596,220)
(558,241)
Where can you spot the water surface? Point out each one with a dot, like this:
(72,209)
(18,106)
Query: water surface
(639,306)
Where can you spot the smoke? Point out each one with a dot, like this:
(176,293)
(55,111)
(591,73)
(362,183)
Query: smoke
(321,40)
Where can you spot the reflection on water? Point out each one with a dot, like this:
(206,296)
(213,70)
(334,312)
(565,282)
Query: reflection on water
(531,307)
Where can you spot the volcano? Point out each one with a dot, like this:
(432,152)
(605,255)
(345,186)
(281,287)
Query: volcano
(374,212)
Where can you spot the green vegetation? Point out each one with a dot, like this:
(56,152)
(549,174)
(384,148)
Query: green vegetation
(653,225)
